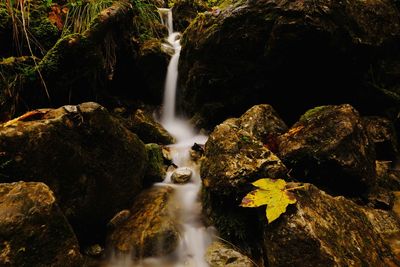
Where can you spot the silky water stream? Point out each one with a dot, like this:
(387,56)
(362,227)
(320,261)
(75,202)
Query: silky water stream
(194,236)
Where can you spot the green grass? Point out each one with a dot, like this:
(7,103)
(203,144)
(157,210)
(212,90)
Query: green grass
(81,14)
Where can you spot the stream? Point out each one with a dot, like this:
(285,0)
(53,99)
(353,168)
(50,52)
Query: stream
(194,236)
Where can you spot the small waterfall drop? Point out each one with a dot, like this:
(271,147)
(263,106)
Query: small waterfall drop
(194,237)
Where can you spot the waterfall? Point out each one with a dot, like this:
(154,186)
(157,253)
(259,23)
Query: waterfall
(194,236)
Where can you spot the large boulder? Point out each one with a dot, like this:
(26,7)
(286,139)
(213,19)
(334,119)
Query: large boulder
(321,230)
(329,147)
(33,230)
(316,52)
(94,165)
(233,159)
(148,230)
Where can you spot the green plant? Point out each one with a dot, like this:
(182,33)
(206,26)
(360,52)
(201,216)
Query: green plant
(19,11)
(81,14)
(146,20)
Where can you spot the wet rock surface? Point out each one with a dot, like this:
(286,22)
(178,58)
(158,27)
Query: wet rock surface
(382,133)
(219,254)
(233,159)
(181,175)
(320,230)
(185,11)
(33,230)
(148,231)
(329,147)
(267,50)
(152,63)
(93,164)
(148,130)
(156,170)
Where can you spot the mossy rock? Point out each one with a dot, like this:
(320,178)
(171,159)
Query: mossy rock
(92,163)
(267,50)
(330,147)
(156,170)
(184,11)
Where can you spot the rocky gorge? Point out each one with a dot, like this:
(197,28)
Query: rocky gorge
(304,91)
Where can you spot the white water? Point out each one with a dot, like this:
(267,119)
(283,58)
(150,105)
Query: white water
(194,237)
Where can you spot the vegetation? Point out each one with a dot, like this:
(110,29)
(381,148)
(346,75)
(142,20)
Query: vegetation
(81,14)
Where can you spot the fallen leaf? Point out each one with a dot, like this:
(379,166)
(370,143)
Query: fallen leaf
(270,192)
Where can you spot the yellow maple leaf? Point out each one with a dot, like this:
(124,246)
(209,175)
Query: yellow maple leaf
(270,192)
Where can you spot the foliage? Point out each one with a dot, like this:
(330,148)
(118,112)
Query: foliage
(147,19)
(270,192)
(13,73)
(81,14)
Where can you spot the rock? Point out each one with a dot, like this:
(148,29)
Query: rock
(329,147)
(95,251)
(264,124)
(320,230)
(152,63)
(93,164)
(196,152)
(149,231)
(396,206)
(184,11)
(233,159)
(388,178)
(148,129)
(181,175)
(387,225)
(155,171)
(219,254)
(33,230)
(119,218)
(266,49)
(382,133)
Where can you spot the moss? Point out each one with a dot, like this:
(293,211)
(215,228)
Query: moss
(72,60)
(155,171)
(310,113)
(5,19)
(15,71)
(151,46)
(44,31)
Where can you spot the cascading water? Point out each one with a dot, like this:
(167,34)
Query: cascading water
(195,238)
